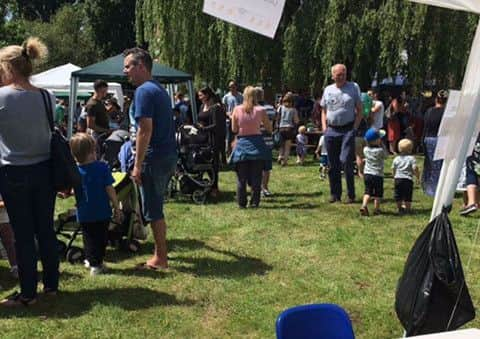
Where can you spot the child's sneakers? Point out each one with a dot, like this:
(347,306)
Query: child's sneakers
(364,211)
(468,210)
(266,193)
(97,270)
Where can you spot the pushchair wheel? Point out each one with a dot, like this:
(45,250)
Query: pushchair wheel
(62,247)
(75,255)
(132,246)
(199,197)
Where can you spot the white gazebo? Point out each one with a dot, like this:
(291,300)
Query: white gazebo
(57,80)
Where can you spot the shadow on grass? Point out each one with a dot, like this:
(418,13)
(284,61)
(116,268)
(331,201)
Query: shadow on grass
(298,194)
(137,272)
(74,304)
(235,266)
(303,206)
(9,282)
(223,197)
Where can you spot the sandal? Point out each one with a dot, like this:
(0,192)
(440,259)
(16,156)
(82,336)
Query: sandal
(15,299)
(147,267)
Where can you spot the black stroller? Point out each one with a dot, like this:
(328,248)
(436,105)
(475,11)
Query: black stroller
(195,173)
(111,148)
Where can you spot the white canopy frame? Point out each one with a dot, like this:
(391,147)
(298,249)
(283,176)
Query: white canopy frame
(74,87)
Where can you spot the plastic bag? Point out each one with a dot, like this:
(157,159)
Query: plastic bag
(432,286)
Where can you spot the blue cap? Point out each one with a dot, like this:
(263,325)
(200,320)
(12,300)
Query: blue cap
(373,134)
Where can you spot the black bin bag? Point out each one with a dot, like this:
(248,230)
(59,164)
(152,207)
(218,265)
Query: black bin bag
(432,286)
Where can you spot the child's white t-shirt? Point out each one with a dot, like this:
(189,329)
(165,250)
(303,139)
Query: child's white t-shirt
(404,166)
(323,145)
(3,214)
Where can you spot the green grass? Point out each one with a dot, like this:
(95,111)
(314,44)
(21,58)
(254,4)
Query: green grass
(233,271)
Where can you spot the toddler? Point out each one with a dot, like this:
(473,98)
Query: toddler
(93,206)
(404,168)
(301,141)
(373,172)
(321,153)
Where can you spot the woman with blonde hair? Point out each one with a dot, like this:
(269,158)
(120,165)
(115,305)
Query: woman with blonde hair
(25,170)
(287,119)
(250,152)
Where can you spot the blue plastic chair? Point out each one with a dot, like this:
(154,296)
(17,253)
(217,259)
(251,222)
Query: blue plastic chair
(319,321)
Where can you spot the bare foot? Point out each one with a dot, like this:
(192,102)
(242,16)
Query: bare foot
(157,262)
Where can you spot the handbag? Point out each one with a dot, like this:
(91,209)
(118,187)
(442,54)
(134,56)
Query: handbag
(65,174)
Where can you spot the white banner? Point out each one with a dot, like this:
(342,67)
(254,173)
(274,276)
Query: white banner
(463,5)
(260,16)
(448,125)
(466,126)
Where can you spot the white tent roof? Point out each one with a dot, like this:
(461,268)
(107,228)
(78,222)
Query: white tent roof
(463,5)
(58,79)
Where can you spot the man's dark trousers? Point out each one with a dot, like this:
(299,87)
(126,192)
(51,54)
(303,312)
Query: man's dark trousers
(341,154)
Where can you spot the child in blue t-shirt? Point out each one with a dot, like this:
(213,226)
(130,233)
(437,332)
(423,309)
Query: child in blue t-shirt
(93,204)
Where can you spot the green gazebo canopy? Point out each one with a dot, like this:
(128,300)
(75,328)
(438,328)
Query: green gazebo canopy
(111,70)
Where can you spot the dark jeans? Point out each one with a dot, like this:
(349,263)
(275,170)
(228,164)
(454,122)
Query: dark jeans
(249,172)
(220,148)
(216,167)
(95,241)
(341,154)
(30,201)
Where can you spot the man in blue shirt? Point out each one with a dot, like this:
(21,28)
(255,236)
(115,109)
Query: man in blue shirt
(341,116)
(156,153)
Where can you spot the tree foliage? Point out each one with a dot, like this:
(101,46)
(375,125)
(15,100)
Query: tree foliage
(372,37)
(113,22)
(67,36)
(32,10)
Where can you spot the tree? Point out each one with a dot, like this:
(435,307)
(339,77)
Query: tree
(372,37)
(68,37)
(113,22)
(36,9)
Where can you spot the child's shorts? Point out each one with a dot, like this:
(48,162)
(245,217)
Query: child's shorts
(373,185)
(324,160)
(471,175)
(403,190)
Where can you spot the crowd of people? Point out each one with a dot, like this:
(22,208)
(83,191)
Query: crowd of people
(243,130)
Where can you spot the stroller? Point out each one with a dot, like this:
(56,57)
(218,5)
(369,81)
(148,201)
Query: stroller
(112,146)
(195,173)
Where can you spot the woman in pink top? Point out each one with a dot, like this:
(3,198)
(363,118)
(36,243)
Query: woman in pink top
(250,151)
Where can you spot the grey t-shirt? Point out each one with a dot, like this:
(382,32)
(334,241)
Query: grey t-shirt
(230,101)
(374,160)
(24,130)
(287,115)
(404,166)
(340,103)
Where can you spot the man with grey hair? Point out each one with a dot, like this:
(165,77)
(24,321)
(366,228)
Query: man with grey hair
(341,115)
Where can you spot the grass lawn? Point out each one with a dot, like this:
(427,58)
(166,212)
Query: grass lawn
(233,271)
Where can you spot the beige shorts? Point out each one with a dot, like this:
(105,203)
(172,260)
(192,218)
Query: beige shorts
(360,143)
